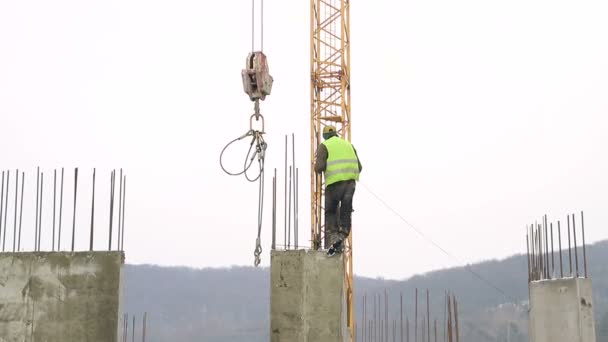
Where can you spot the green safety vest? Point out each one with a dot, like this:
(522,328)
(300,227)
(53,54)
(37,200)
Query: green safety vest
(342,163)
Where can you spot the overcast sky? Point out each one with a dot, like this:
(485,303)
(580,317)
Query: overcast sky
(471,118)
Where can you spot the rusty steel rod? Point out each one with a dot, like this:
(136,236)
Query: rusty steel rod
(92,233)
(1,203)
(274,211)
(8,180)
(293,163)
(119,211)
(124,203)
(547,268)
(40,215)
(575,243)
(37,203)
(285,202)
(74,213)
(584,248)
(528,255)
(552,252)
(16,205)
(21,211)
(54,206)
(559,239)
(569,247)
(60,213)
(112,190)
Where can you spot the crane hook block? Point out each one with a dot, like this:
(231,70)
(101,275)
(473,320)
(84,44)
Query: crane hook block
(257,81)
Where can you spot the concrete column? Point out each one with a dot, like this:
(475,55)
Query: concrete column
(307,299)
(60,296)
(561,310)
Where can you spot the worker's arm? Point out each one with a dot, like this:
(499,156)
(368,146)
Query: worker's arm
(358,160)
(321,159)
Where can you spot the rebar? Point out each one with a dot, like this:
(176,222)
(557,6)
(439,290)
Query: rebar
(428,316)
(124,201)
(40,215)
(54,206)
(119,212)
(559,239)
(1,203)
(289,211)
(552,252)
(8,180)
(569,247)
(274,211)
(416,318)
(74,214)
(15,217)
(584,248)
(285,203)
(21,211)
(293,161)
(528,255)
(112,188)
(60,213)
(547,269)
(92,215)
(575,243)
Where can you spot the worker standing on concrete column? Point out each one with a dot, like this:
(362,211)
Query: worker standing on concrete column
(338,160)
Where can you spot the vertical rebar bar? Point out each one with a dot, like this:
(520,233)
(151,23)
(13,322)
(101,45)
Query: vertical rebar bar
(528,255)
(435,328)
(293,163)
(289,211)
(92,215)
(394,330)
(559,241)
(407,329)
(285,203)
(21,211)
(2,203)
(112,188)
(552,252)
(74,214)
(124,207)
(547,272)
(60,213)
(40,207)
(15,218)
(37,203)
(584,247)
(133,329)
(54,206)
(296,208)
(547,249)
(8,180)
(274,211)
(569,247)
(575,244)
(119,212)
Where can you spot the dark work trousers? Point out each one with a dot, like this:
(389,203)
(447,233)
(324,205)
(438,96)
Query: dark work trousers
(338,211)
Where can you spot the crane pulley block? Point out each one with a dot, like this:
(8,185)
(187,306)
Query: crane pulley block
(257,82)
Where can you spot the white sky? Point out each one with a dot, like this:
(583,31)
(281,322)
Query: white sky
(472,119)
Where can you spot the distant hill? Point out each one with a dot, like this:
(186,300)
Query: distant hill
(232,304)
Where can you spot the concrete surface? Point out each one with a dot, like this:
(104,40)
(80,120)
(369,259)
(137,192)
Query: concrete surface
(60,297)
(561,310)
(307,299)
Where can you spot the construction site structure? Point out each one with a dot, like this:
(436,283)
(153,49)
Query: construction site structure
(330,104)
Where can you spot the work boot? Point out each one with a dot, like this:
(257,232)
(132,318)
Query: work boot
(334,249)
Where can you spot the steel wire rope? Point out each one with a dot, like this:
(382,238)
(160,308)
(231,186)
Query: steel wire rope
(428,239)
(250,157)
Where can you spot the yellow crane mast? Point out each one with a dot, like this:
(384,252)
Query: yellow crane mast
(330,105)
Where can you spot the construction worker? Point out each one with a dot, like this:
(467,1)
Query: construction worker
(338,160)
